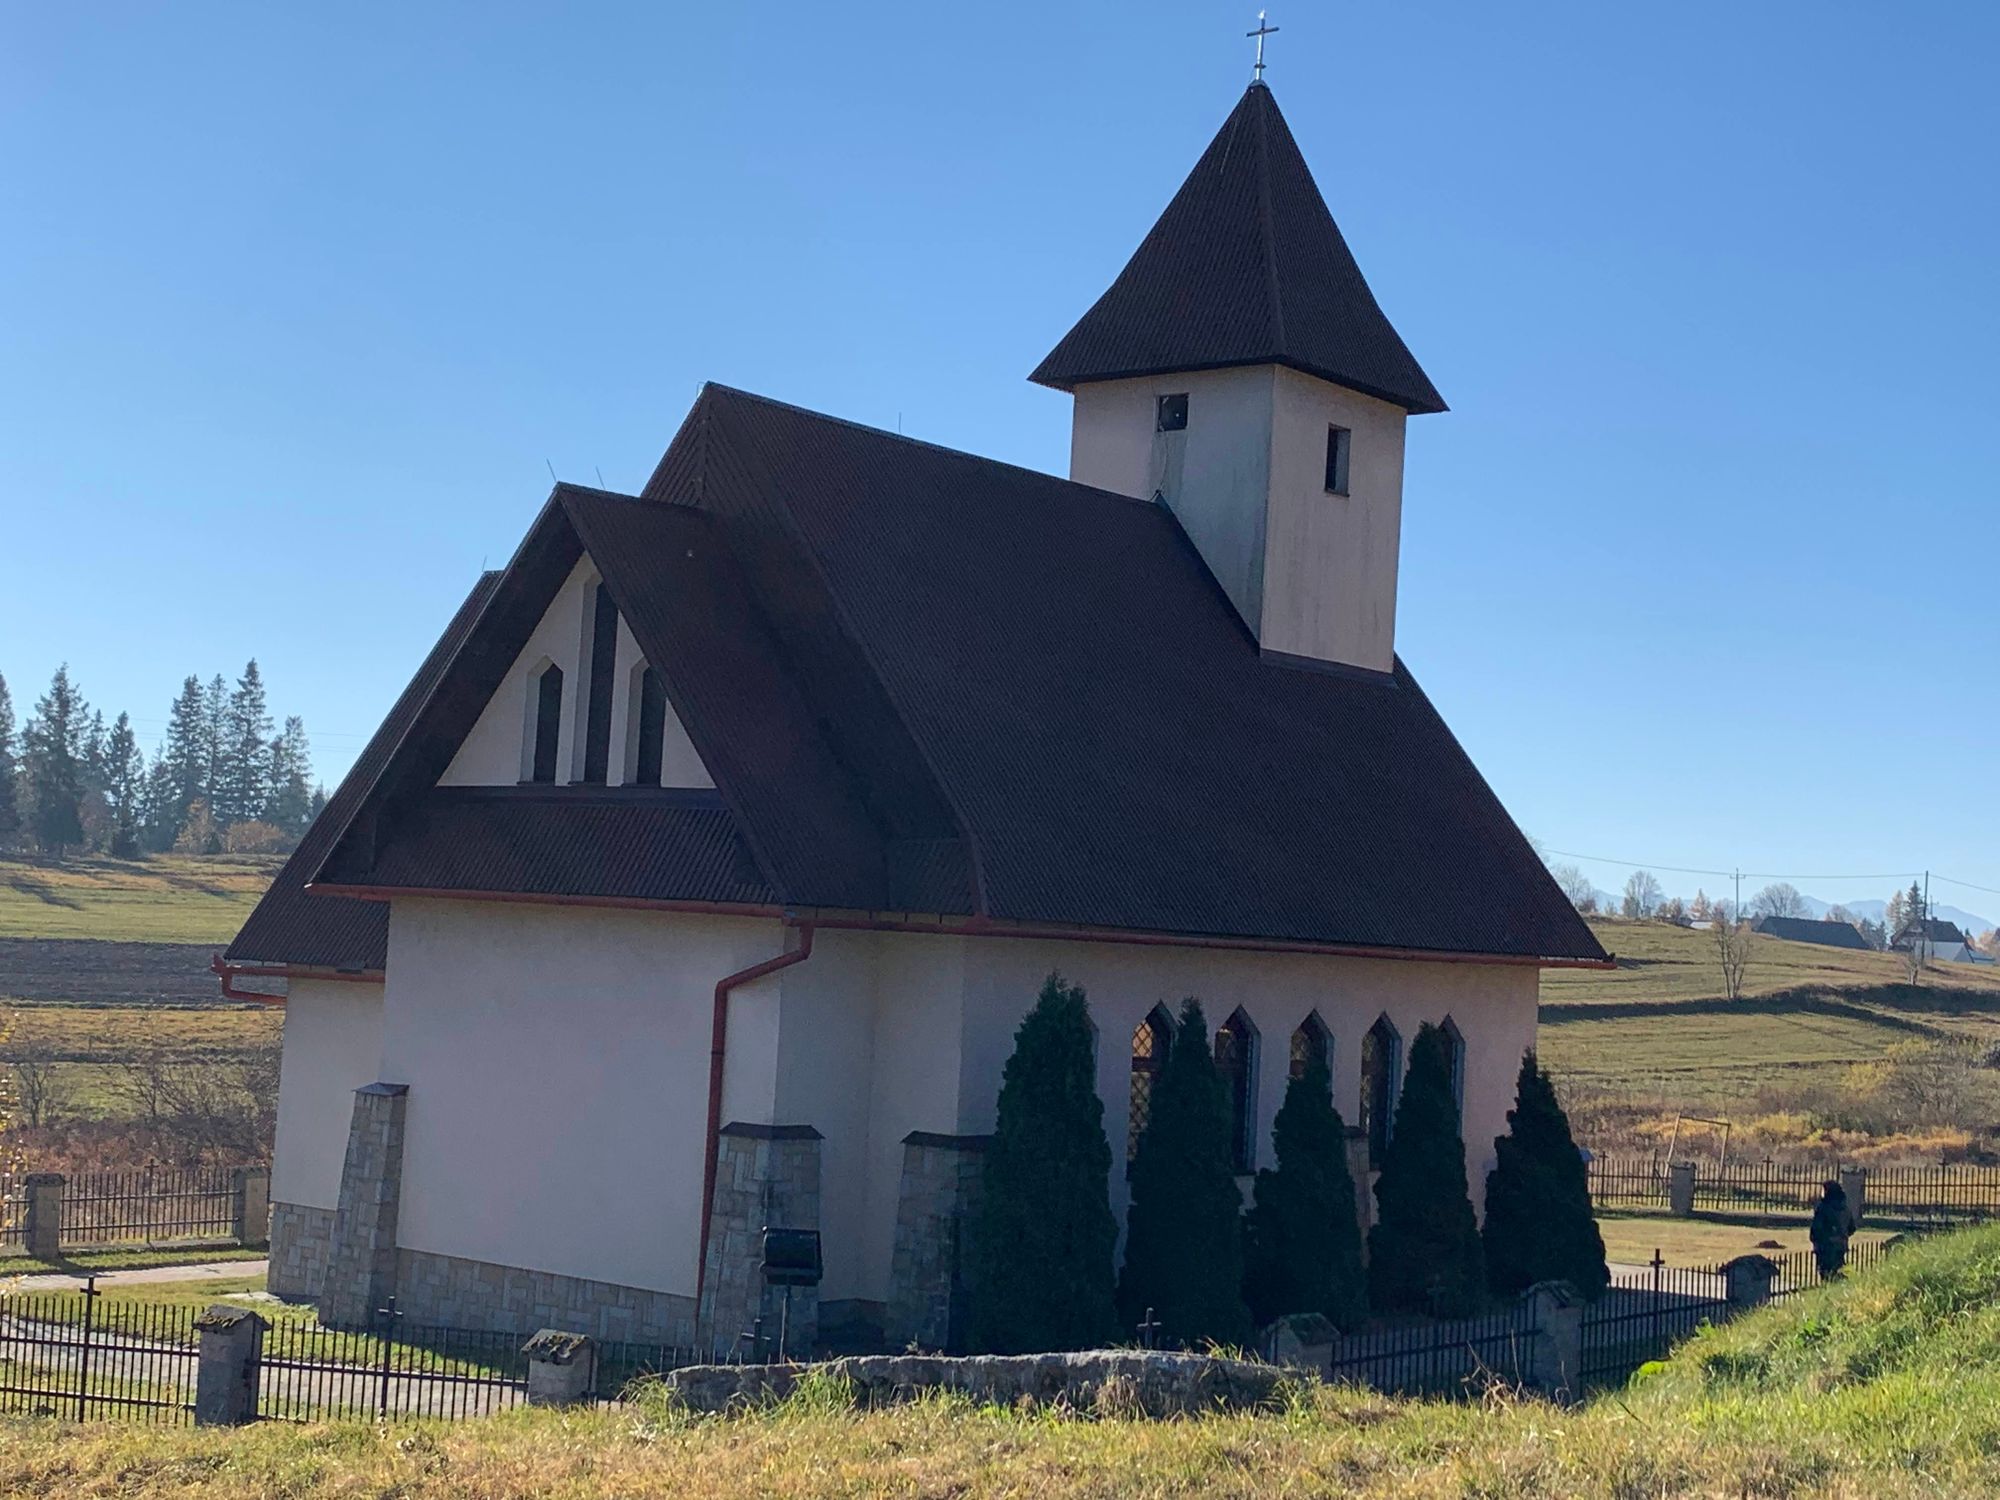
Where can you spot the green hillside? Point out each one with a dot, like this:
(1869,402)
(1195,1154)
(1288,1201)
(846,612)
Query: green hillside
(166,899)
(1661,1025)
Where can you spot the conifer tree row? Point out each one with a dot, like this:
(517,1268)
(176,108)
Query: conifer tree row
(70,783)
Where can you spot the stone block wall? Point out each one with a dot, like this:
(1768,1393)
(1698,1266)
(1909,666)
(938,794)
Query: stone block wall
(935,1197)
(765,1175)
(301,1245)
(450,1292)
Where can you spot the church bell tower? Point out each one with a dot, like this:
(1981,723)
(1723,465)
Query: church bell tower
(1240,371)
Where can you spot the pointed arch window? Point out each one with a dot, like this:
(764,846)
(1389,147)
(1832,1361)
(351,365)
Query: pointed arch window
(1236,1061)
(1381,1078)
(1150,1040)
(547,707)
(1311,1043)
(1454,1041)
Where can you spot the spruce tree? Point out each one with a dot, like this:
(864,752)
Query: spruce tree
(288,803)
(10,805)
(1303,1249)
(52,745)
(1424,1253)
(1539,1224)
(159,824)
(1043,1236)
(186,757)
(1184,1231)
(124,786)
(214,741)
(240,791)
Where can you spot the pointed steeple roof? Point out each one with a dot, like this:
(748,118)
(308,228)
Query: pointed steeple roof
(1245,267)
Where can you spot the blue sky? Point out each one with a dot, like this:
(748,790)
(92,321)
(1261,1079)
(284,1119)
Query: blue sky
(297,305)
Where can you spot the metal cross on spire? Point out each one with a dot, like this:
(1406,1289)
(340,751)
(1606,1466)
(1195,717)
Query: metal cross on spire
(1263,30)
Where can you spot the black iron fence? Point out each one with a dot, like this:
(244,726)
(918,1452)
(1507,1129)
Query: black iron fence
(1915,1197)
(71,1354)
(150,1203)
(1641,1320)
(1456,1358)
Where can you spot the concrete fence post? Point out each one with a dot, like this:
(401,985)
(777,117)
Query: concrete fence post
(42,1224)
(1556,1346)
(227,1366)
(250,1215)
(1747,1280)
(1680,1189)
(562,1368)
(1854,1183)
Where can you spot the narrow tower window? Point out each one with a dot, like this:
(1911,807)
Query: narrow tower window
(1235,1058)
(1171,413)
(597,724)
(1338,441)
(548,723)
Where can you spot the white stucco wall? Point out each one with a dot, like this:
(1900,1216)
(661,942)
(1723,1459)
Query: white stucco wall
(1493,1006)
(499,749)
(333,1046)
(1330,561)
(557,1060)
(1311,573)
(1214,474)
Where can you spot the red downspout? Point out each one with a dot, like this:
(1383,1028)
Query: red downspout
(718,1032)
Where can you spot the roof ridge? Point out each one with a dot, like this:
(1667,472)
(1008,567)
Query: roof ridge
(1267,229)
(916,442)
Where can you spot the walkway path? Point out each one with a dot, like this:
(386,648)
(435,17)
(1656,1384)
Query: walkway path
(208,1270)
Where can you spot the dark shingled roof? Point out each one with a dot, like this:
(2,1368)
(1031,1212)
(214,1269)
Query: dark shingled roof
(928,682)
(289,926)
(1813,930)
(1245,267)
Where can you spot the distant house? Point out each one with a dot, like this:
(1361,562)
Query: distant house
(1942,939)
(1824,931)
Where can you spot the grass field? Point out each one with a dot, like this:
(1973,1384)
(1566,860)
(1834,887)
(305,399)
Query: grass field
(92,1041)
(1659,1024)
(1885,1386)
(165,899)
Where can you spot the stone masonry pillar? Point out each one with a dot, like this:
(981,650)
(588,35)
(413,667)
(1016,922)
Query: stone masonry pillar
(943,1176)
(361,1268)
(1680,1189)
(227,1365)
(1556,1349)
(1747,1280)
(1854,1183)
(562,1368)
(765,1175)
(42,1230)
(251,1213)
(1364,1184)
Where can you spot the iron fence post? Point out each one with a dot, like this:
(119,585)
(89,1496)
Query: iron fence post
(387,1314)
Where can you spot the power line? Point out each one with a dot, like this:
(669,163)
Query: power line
(1646,864)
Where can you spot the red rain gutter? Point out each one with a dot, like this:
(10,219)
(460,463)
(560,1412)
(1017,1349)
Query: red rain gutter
(228,973)
(975,927)
(718,1033)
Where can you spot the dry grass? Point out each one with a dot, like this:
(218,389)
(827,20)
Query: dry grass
(1886,1386)
(164,899)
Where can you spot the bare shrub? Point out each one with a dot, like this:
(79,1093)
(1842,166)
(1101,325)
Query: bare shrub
(42,1092)
(202,1109)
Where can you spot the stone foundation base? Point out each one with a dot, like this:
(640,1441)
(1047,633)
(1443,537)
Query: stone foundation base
(301,1245)
(449,1292)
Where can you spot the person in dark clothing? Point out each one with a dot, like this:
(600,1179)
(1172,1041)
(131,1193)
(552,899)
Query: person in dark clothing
(1830,1230)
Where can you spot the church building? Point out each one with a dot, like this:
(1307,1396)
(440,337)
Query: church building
(700,877)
